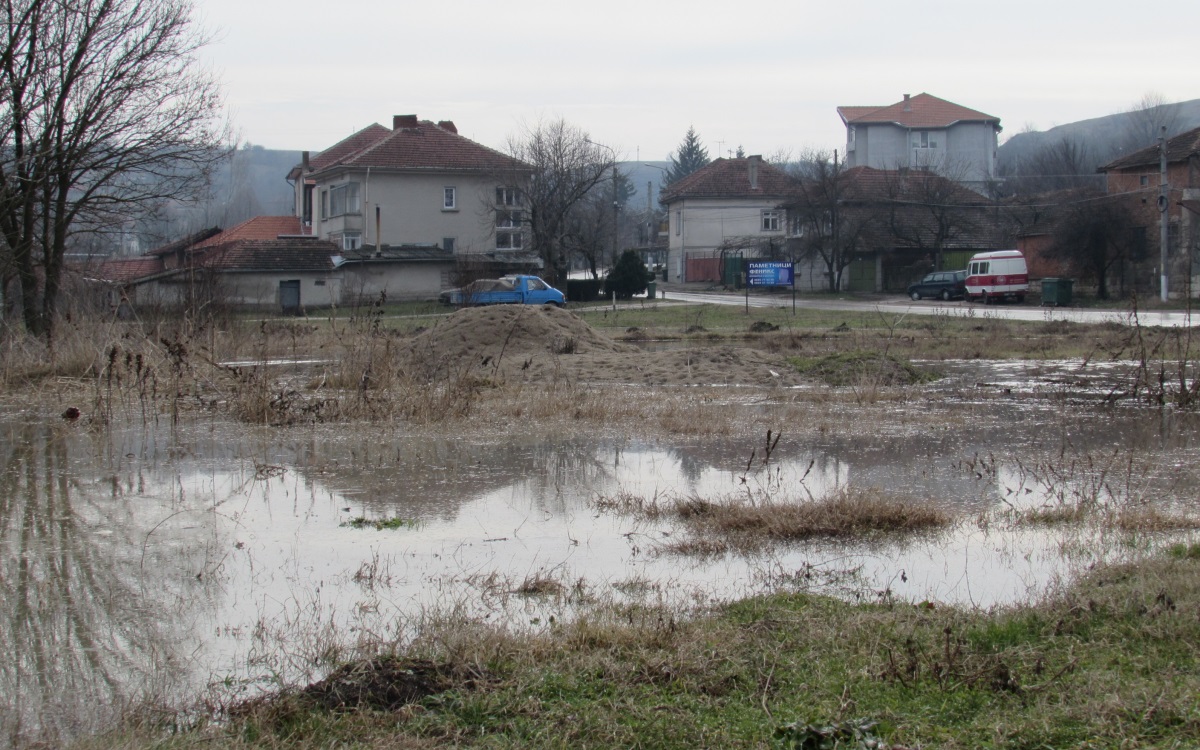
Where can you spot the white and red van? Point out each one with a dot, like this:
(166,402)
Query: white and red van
(1001,274)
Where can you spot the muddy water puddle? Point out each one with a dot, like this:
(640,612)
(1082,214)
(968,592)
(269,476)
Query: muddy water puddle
(147,561)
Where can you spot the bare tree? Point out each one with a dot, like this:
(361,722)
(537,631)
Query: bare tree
(104,114)
(929,210)
(1145,120)
(565,168)
(825,215)
(595,226)
(1097,236)
(1066,164)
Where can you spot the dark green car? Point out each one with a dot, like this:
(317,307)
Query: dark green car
(944,285)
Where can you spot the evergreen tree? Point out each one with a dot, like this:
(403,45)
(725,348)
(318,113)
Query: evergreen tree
(690,156)
(628,277)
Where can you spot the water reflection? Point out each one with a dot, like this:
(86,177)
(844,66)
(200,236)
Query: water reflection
(77,565)
(147,562)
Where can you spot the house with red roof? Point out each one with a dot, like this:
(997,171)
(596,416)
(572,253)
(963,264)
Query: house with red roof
(265,262)
(727,209)
(1137,178)
(418,184)
(872,230)
(924,132)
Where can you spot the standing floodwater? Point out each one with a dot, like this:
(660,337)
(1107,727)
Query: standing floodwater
(146,562)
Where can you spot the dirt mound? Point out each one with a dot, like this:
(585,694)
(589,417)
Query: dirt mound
(504,335)
(384,684)
(546,344)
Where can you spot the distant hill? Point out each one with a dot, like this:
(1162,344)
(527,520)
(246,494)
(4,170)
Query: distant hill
(641,173)
(1105,138)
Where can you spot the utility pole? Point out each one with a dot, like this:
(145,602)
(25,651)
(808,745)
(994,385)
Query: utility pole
(616,205)
(1163,203)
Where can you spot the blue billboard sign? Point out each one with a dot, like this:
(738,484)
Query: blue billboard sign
(769,273)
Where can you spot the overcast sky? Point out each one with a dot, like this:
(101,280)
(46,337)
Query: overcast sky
(767,76)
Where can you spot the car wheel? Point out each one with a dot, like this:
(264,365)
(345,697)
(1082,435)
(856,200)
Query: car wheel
(915,296)
(945,295)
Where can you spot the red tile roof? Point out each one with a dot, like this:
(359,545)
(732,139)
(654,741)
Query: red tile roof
(185,242)
(730,178)
(912,185)
(427,145)
(920,111)
(1180,148)
(121,270)
(368,136)
(258,228)
(292,254)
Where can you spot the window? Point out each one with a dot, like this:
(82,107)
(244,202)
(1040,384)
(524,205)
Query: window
(770,221)
(324,203)
(351,240)
(449,199)
(1144,180)
(343,199)
(508,219)
(509,240)
(448,244)
(924,139)
(508,196)
(678,222)
(536,285)
(1138,245)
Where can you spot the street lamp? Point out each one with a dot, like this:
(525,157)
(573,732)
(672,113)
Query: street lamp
(651,232)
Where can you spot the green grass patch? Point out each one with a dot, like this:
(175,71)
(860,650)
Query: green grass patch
(1108,662)
(859,367)
(379,524)
(1185,551)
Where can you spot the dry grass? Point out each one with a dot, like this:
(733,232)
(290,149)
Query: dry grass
(739,522)
(1107,661)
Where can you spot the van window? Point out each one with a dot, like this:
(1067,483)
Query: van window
(983,268)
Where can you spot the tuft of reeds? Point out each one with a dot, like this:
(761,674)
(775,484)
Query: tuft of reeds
(757,520)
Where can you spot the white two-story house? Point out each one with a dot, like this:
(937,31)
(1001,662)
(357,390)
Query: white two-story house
(418,184)
(924,132)
(730,205)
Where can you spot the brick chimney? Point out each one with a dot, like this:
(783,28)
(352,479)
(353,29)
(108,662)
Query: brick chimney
(907,104)
(447,125)
(752,163)
(404,121)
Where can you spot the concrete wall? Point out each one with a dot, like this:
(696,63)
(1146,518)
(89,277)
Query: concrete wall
(705,224)
(400,282)
(966,152)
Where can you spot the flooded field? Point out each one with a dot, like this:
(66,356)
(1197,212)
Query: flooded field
(155,562)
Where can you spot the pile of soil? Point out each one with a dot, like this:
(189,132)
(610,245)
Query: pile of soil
(538,344)
(383,684)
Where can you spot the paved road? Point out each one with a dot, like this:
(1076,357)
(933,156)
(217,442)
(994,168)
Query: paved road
(904,306)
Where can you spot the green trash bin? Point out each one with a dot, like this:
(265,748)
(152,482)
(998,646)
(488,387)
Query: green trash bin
(651,289)
(1056,292)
